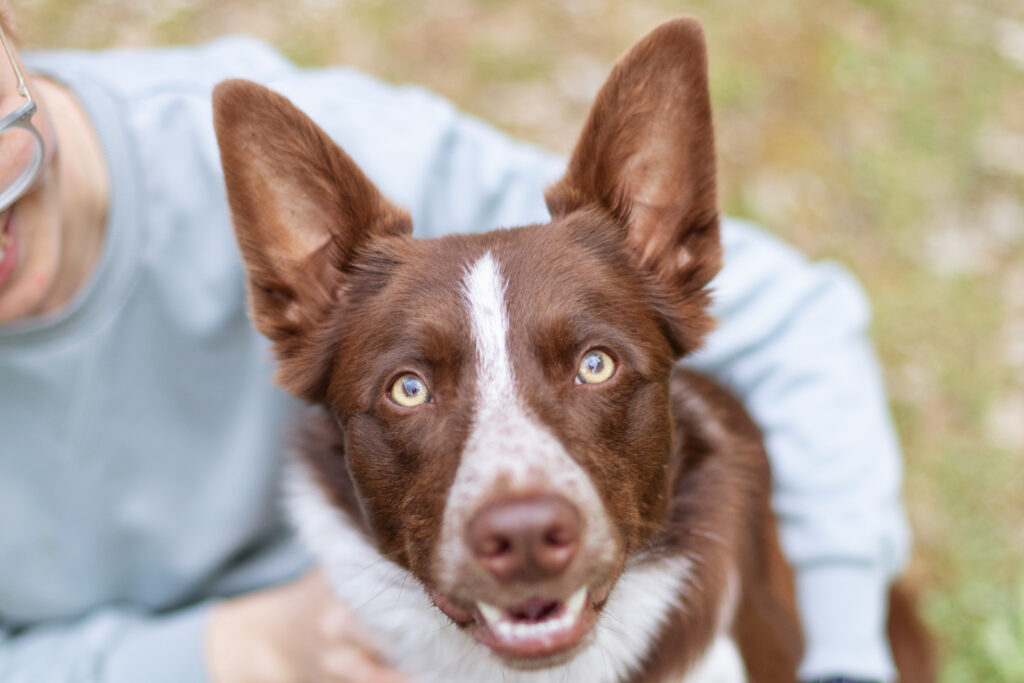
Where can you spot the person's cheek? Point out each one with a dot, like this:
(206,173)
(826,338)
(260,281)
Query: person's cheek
(44,124)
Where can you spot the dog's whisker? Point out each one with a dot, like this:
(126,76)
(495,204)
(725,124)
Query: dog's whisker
(604,655)
(398,593)
(389,585)
(456,664)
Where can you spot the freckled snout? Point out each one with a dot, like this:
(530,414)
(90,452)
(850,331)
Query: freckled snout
(525,539)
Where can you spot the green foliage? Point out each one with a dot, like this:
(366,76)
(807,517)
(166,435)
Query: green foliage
(1003,639)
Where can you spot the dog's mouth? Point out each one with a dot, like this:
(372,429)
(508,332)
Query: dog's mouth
(536,628)
(534,633)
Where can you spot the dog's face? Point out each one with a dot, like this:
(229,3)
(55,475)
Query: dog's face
(504,396)
(504,404)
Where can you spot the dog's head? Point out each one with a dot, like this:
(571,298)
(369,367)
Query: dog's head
(503,396)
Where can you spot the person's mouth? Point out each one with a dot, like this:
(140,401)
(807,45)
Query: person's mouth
(8,247)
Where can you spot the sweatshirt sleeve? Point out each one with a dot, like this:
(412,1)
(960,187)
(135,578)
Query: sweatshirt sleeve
(793,342)
(109,646)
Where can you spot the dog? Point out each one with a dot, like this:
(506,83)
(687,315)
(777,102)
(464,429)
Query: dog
(504,471)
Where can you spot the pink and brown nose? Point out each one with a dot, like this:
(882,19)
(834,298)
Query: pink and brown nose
(525,539)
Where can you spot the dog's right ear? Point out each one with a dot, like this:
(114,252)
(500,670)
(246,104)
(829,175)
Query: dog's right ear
(646,158)
(302,209)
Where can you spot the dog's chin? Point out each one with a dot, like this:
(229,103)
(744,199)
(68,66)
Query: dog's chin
(536,634)
(545,662)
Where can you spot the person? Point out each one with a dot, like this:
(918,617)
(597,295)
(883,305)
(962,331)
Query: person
(142,438)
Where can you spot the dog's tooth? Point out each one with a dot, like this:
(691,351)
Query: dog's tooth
(574,605)
(564,622)
(492,615)
(504,629)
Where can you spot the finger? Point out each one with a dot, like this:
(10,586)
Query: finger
(354,665)
(341,627)
(315,581)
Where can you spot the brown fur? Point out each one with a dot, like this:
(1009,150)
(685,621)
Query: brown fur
(351,302)
(912,647)
(646,156)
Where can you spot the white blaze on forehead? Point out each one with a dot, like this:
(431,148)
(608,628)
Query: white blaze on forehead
(508,450)
(484,290)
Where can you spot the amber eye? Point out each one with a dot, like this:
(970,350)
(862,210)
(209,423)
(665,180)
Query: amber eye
(596,367)
(409,391)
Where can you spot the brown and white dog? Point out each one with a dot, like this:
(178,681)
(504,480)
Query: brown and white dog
(505,474)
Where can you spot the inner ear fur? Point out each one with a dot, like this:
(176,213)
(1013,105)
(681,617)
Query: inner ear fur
(646,158)
(302,211)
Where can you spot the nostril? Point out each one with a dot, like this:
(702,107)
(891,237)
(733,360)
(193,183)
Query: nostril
(560,537)
(555,557)
(494,546)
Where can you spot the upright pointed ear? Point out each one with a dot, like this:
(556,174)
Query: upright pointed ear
(302,209)
(646,158)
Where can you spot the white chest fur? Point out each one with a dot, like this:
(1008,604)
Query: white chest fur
(721,664)
(420,640)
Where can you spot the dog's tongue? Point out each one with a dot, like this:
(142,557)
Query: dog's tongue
(534,609)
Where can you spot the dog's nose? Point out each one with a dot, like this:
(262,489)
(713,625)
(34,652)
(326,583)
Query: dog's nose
(525,539)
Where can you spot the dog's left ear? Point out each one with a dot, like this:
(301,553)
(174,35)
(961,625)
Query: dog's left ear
(302,211)
(646,158)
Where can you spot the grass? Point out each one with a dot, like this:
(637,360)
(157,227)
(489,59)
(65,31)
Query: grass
(886,134)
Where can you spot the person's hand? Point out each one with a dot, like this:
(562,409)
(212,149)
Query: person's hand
(295,633)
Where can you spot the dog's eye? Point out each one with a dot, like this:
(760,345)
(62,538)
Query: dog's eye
(596,367)
(409,391)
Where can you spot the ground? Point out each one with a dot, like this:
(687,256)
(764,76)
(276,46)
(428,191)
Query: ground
(886,134)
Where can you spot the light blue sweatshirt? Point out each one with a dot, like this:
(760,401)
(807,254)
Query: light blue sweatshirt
(140,437)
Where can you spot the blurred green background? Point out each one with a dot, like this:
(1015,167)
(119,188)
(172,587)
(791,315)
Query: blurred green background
(886,134)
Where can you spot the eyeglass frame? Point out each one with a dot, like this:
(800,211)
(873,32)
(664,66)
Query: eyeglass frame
(21,118)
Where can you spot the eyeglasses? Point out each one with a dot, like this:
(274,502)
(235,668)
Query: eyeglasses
(21,145)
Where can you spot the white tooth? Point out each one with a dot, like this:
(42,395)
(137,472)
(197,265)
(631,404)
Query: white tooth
(504,629)
(574,605)
(491,614)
